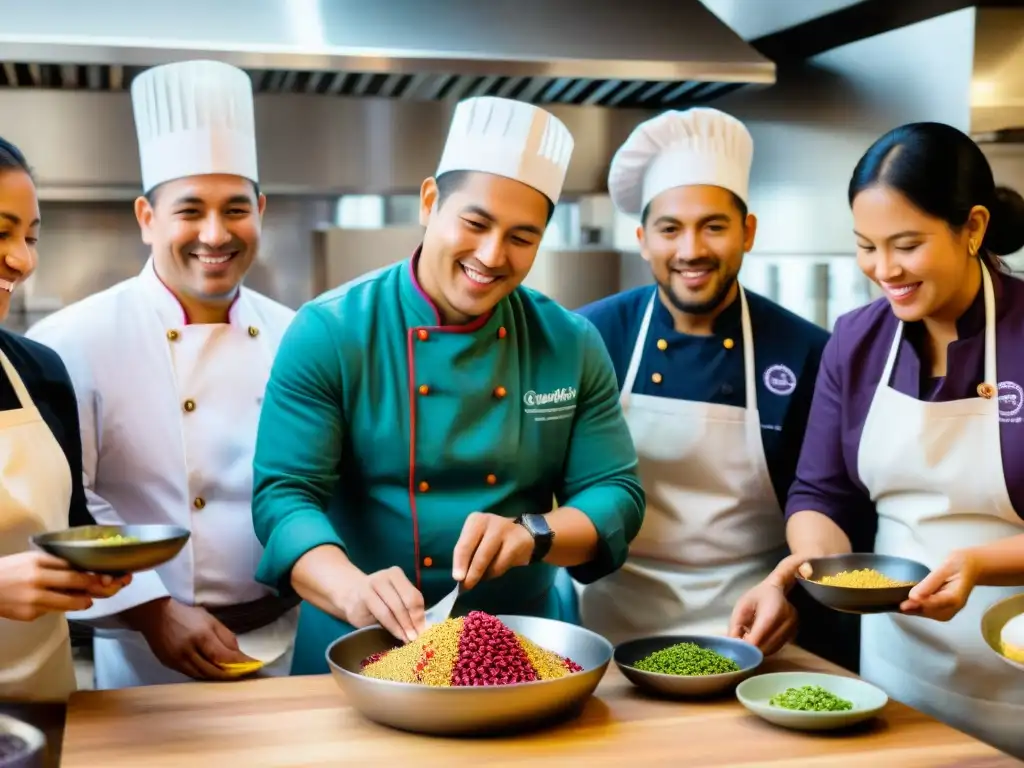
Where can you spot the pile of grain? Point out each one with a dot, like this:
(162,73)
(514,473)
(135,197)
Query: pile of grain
(475,650)
(865,578)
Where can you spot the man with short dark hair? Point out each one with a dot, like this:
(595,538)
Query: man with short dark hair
(419,421)
(169,368)
(716,385)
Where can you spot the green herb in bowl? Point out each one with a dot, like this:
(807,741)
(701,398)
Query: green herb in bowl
(810,698)
(687,659)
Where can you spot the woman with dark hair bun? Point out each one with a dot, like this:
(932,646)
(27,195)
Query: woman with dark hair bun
(40,475)
(917,427)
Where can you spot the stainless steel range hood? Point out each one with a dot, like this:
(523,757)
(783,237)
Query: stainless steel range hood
(645,53)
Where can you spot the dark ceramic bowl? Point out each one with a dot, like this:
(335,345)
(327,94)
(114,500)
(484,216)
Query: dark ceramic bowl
(863,599)
(748,657)
(21,745)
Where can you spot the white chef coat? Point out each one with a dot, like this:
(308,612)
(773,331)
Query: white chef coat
(169,413)
(935,473)
(35,495)
(713,527)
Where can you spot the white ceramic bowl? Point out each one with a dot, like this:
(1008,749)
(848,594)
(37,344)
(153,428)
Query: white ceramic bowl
(755,692)
(996,617)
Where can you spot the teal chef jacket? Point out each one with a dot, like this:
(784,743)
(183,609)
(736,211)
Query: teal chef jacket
(382,430)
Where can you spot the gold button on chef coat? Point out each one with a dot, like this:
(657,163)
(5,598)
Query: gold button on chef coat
(500,392)
(424,389)
(492,479)
(662,345)
(728,343)
(199,502)
(656,378)
(254,331)
(189,405)
(172,335)
(424,486)
(422,334)
(427,562)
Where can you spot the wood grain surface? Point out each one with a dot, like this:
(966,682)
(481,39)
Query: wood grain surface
(306,721)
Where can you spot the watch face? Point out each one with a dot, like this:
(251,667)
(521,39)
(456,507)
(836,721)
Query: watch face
(537,524)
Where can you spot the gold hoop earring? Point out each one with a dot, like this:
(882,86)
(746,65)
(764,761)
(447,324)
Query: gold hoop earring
(972,249)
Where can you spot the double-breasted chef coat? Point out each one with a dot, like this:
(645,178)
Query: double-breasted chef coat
(938,462)
(169,412)
(718,422)
(38,490)
(383,430)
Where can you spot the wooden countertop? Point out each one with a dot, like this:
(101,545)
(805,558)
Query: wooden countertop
(305,721)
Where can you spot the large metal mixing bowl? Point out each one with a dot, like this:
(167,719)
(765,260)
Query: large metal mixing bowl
(473,711)
(155,546)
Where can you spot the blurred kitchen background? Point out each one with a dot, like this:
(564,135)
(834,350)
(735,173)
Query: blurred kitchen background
(353,101)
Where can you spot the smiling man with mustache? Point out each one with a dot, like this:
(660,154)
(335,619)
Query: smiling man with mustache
(419,422)
(170,368)
(716,385)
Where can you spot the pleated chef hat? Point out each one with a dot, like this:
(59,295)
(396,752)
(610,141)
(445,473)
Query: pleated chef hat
(509,138)
(675,149)
(193,118)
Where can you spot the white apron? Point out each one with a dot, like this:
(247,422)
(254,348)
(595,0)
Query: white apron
(35,493)
(935,473)
(713,527)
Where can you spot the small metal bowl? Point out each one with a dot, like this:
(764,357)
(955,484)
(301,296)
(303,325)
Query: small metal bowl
(863,599)
(21,745)
(157,544)
(476,711)
(748,657)
(995,618)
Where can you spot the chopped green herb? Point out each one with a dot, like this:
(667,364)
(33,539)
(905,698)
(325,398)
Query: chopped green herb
(687,659)
(810,698)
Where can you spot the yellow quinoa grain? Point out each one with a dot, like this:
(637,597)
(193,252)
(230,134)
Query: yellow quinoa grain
(411,663)
(549,665)
(861,579)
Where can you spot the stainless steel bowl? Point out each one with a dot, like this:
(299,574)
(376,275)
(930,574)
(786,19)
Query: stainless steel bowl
(747,657)
(21,745)
(995,618)
(476,711)
(157,544)
(863,599)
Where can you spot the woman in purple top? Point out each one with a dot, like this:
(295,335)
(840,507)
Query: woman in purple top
(917,428)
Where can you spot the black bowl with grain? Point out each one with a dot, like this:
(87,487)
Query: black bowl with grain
(862,582)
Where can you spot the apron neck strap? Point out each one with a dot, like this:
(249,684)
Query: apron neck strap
(748,353)
(990,336)
(16,383)
(638,347)
(748,349)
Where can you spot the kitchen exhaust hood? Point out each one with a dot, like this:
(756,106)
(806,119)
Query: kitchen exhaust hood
(641,54)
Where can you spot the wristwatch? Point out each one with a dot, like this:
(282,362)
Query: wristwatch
(543,536)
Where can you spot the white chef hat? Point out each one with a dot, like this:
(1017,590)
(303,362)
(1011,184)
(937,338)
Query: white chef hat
(193,118)
(509,138)
(675,149)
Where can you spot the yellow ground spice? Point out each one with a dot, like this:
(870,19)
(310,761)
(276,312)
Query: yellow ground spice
(865,578)
(549,665)
(427,660)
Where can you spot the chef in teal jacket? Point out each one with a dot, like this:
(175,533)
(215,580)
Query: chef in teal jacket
(419,421)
